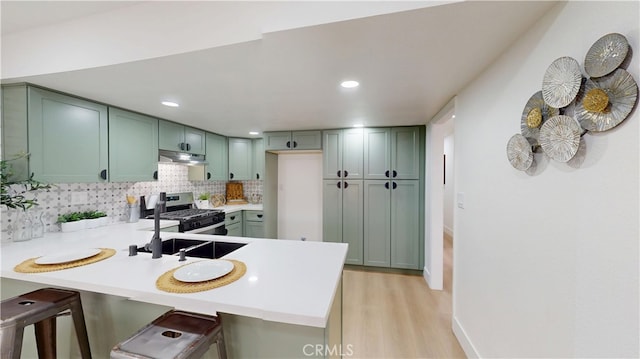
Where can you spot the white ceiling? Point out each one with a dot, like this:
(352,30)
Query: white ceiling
(409,64)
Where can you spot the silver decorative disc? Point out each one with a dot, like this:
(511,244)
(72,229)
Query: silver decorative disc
(606,55)
(561,82)
(519,152)
(560,137)
(526,127)
(622,91)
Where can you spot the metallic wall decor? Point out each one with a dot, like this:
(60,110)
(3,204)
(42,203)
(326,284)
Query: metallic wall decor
(535,113)
(560,137)
(606,55)
(561,82)
(606,101)
(571,105)
(519,152)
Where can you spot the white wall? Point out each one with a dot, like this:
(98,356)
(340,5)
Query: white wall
(300,196)
(449,173)
(546,265)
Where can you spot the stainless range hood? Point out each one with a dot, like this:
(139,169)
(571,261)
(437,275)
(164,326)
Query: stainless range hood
(181,158)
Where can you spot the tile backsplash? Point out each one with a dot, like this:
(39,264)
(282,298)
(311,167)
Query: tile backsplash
(111,197)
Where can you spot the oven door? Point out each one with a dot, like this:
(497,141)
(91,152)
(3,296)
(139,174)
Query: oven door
(217,229)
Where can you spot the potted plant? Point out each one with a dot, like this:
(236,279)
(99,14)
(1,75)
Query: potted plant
(71,222)
(94,219)
(203,201)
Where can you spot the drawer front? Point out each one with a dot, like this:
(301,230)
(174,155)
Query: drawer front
(231,218)
(234,230)
(253,216)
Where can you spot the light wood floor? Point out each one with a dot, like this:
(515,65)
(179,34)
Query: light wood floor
(389,315)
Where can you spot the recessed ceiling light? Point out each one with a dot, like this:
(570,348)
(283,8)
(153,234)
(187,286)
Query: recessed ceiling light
(349,84)
(170,104)
(358,125)
(254,133)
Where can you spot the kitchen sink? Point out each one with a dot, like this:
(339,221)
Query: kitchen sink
(196,247)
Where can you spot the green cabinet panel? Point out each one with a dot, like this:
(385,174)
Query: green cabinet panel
(296,140)
(234,230)
(133,146)
(405,152)
(233,223)
(343,153)
(253,226)
(405,218)
(377,223)
(342,217)
(258,159)
(176,137)
(217,157)
(377,153)
(67,138)
(14,130)
(240,154)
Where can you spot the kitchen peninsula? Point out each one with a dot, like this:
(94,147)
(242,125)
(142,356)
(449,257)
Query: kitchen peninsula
(289,299)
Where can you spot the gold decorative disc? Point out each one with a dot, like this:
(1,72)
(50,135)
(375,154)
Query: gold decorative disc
(596,100)
(534,118)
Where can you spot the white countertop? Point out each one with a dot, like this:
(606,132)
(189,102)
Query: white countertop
(240,207)
(286,281)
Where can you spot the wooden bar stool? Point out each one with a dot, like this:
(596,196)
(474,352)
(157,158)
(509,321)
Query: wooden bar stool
(174,335)
(40,307)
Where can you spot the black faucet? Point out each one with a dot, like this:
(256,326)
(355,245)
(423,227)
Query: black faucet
(156,242)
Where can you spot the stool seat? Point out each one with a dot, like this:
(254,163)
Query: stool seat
(174,335)
(40,307)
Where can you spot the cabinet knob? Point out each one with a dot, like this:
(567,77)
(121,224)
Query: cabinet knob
(339,173)
(103,174)
(208,175)
(231,175)
(181,145)
(188,147)
(155,175)
(395,174)
(288,144)
(295,144)
(232,217)
(257,176)
(386,185)
(346,185)
(346,173)
(338,184)
(386,173)
(259,215)
(395,185)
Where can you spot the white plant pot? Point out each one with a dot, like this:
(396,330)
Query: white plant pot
(203,204)
(92,223)
(72,226)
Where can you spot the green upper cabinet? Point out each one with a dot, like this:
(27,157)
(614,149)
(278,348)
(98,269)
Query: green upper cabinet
(133,146)
(343,153)
(392,153)
(177,137)
(67,138)
(217,157)
(296,140)
(258,159)
(240,159)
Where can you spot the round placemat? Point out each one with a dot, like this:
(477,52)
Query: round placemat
(30,266)
(166,282)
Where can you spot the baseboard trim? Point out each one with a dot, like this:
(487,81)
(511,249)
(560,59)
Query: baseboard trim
(427,276)
(468,348)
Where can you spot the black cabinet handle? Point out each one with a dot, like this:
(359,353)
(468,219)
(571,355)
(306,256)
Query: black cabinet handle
(103,174)
(208,175)
(232,217)
(386,185)
(259,215)
(395,185)
(346,185)
(386,173)
(339,173)
(338,184)
(257,176)
(231,175)
(288,144)
(155,175)
(181,145)
(295,144)
(188,147)
(346,173)
(395,174)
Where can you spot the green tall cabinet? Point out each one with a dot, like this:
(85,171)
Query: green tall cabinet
(342,216)
(133,146)
(392,153)
(67,138)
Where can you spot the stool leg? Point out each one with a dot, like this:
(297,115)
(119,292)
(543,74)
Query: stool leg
(46,338)
(81,329)
(11,342)
(222,350)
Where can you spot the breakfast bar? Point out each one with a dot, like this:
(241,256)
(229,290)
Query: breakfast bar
(286,304)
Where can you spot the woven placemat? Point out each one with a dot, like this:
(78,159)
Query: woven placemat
(30,266)
(168,283)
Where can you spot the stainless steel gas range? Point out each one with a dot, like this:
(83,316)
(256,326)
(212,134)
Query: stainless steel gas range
(180,207)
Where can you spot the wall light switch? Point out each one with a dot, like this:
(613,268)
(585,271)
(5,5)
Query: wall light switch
(460,200)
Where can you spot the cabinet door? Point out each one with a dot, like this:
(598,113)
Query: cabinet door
(195,140)
(277,141)
(67,138)
(377,223)
(240,159)
(352,220)
(405,239)
(170,136)
(217,157)
(405,152)
(234,230)
(306,140)
(332,154)
(253,229)
(353,153)
(258,159)
(332,211)
(133,146)
(377,163)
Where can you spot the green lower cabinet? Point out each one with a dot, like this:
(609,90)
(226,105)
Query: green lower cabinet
(343,216)
(234,224)
(234,230)
(253,226)
(391,223)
